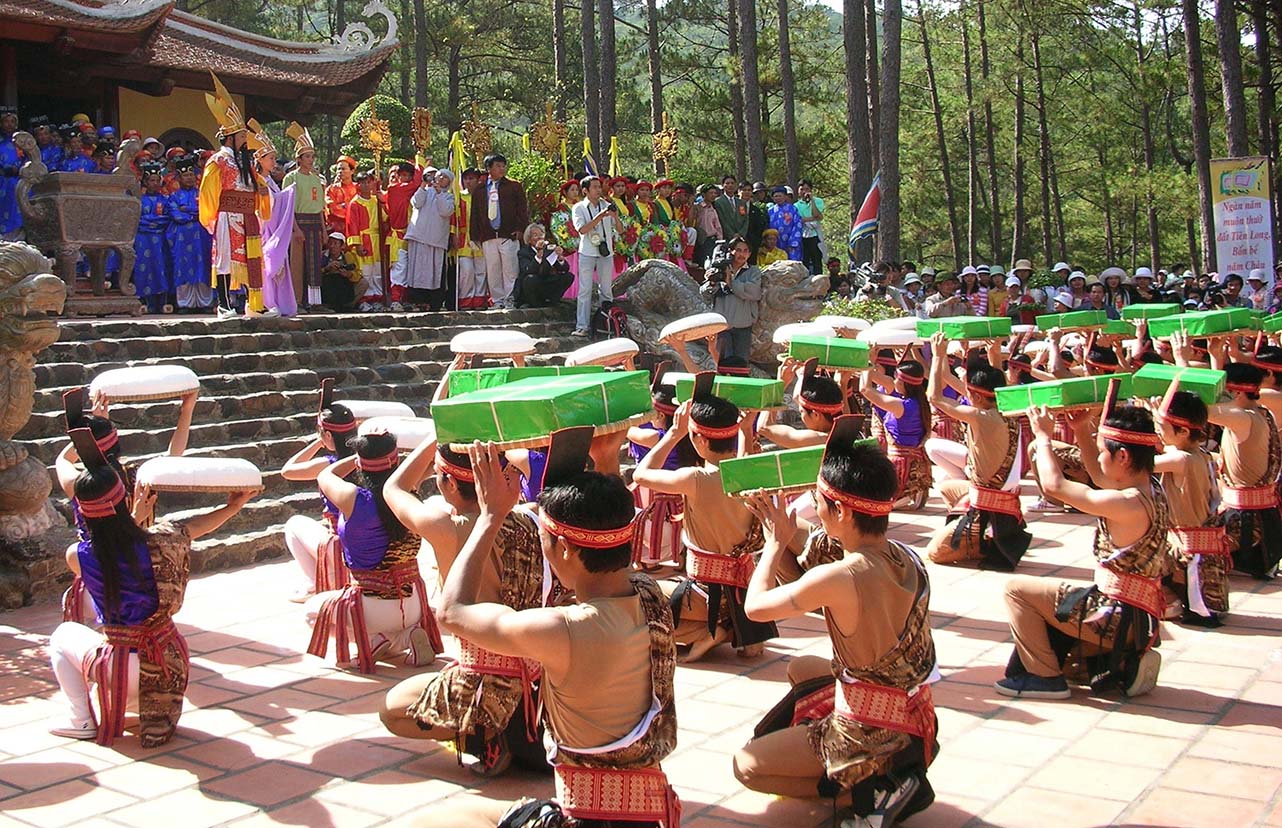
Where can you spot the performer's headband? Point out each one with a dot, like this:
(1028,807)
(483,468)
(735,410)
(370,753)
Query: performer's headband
(589,538)
(667,409)
(1021,366)
(105,506)
(832,409)
(713,432)
(876,508)
(734,370)
(886,361)
(1265,365)
(454,470)
(1242,387)
(907,378)
(378,464)
(337,428)
(1164,411)
(973,391)
(1134,438)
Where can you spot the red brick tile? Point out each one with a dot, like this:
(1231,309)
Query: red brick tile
(1244,747)
(157,776)
(764,809)
(285,703)
(1136,748)
(268,784)
(357,757)
(1033,808)
(188,808)
(1118,780)
(1254,718)
(954,773)
(49,767)
(1008,746)
(311,812)
(69,803)
(1181,809)
(237,751)
(388,793)
(1215,777)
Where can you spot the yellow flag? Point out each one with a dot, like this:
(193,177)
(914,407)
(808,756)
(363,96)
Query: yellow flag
(525,142)
(614,157)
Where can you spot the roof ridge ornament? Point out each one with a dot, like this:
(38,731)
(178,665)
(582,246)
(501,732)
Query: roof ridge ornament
(358,37)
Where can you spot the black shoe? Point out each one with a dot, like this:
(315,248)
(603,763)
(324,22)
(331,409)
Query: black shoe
(1029,686)
(922,799)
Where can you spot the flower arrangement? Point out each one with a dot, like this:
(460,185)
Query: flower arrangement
(564,233)
(625,243)
(874,310)
(676,239)
(653,242)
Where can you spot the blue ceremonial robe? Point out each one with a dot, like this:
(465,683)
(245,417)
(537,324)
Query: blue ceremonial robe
(189,243)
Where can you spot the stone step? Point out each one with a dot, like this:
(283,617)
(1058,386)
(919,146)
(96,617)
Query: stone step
(79,330)
(228,551)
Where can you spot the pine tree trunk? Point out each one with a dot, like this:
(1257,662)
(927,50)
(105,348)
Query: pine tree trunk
(1058,205)
(791,149)
(608,89)
(656,78)
(1229,39)
(1043,150)
(1110,239)
(1150,153)
(859,141)
(340,16)
(559,57)
(1201,129)
(1190,230)
(874,79)
(736,90)
(405,64)
(972,155)
(888,138)
(591,82)
(1019,236)
(954,228)
(420,53)
(1266,127)
(990,139)
(454,100)
(751,89)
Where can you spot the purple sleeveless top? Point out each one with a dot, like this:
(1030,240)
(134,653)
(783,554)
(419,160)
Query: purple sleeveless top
(532,485)
(638,451)
(138,597)
(906,430)
(327,507)
(362,535)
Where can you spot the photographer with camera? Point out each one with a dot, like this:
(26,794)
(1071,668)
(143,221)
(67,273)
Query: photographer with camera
(338,274)
(543,274)
(594,218)
(733,288)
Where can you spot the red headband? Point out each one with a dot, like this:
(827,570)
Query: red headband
(454,470)
(104,506)
(378,464)
(876,508)
(976,391)
(886,362)
(1265,366)
(712,432)
(822,408)
(734,370)
(1019,365)
(337,428)
(1242,387)
(665,408)
(908,379)
(590,538)
(1135,438)
(108,441)
(1171,419)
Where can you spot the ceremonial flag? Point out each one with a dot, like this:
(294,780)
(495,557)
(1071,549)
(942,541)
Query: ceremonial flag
(589,163)
(614,157)
(866,219)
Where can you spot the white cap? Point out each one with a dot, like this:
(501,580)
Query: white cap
(912,279)
(1013,281)
(928,271)
(969,271)
(147,141)
(1188,274)
(1077,274)
(1143,273)
(995,270)
(1064,298)
(1112,271)
(1060,266)
(1257,273)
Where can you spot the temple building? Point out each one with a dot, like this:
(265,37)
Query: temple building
(144,65)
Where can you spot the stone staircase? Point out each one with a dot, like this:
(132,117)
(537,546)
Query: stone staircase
(259,381)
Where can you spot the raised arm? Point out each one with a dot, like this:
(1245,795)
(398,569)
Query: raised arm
(210,522)
(868,388)
(305,465)
(766,600)
(650,472)
(339,492)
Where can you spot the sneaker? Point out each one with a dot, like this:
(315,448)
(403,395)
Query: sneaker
(1044,505)
(365,307)
(495,758)
(76,730)
(397,307)
(1146,674)
(421,652)
(269,313)
(580,332)
(1029,686)
(888,806)
(381,646)
(223,314)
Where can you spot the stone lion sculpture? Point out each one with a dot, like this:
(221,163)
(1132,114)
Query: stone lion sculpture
(659,292)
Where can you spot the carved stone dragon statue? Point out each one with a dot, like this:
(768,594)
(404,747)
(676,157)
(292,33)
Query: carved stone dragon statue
(659,292)
(30,297)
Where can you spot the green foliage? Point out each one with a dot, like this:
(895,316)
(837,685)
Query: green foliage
(397,116)
(542,181)
(873,310)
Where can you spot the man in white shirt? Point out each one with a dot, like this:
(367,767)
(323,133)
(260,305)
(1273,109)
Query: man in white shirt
(945,302)
(593,217)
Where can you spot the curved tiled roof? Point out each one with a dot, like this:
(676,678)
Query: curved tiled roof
(120,18)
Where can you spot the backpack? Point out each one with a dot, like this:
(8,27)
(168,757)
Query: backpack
(611,321)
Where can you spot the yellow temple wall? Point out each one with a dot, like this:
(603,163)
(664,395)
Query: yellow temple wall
(182,107)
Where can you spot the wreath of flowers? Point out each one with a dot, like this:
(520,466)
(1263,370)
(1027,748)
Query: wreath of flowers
(625,243)
(564,233)
(676,239)
(653,242)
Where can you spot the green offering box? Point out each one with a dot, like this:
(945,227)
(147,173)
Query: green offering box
(832,351)
(1059,394)
(772,471)
(745,392)
(1206,323)
(966,327)
(1152,381)
(1073,320)
(1116,327)
(1157,311)
(523,413)
(1272,324)
(477,379)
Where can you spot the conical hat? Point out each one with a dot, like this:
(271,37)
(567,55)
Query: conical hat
(302,138)
(259,136)
(224,109)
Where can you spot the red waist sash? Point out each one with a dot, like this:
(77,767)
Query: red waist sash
(995,500)
(483,661)
(903,711)
(1201,540)
(626,794)
(245,204)
(719,569)
(1250,497)
(1134,590)
(335,612)
(108,667)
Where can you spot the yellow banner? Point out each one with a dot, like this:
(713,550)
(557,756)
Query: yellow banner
(1241,195)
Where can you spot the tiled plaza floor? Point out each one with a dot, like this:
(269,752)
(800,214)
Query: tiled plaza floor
(271,736)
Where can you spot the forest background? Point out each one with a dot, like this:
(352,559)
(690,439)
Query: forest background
(1057,130)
